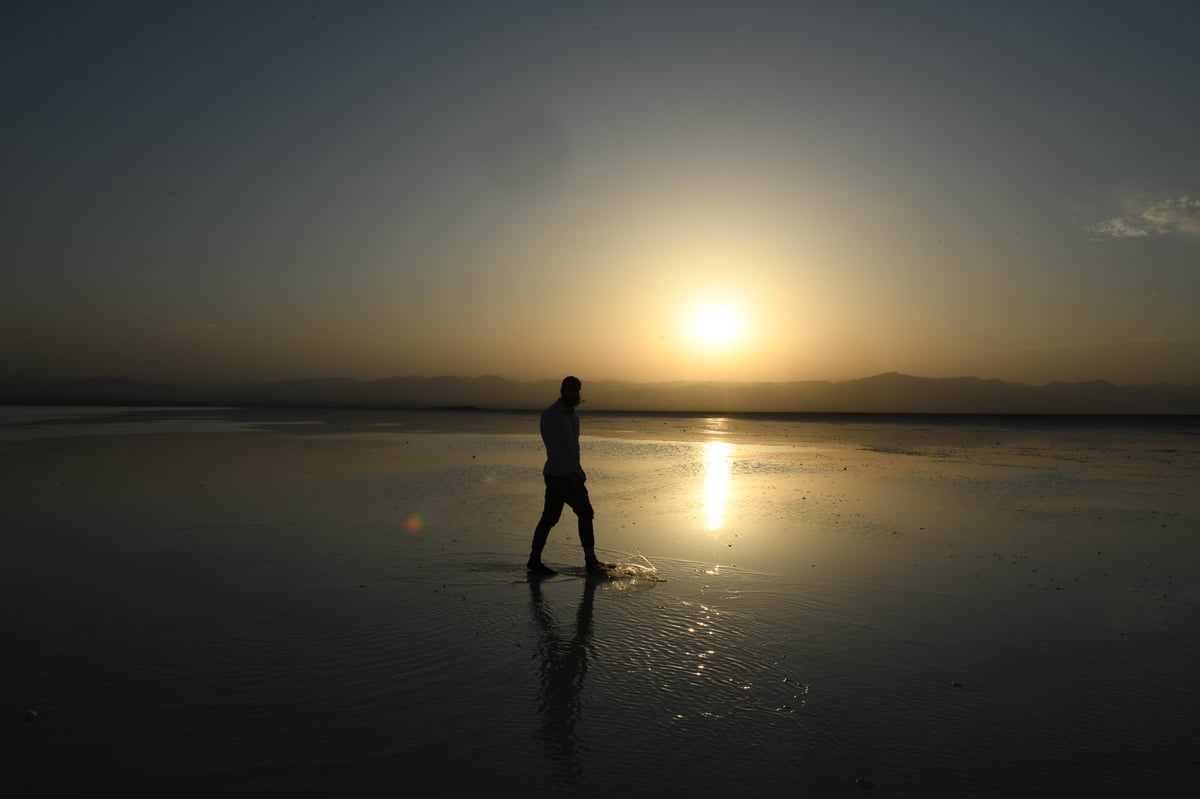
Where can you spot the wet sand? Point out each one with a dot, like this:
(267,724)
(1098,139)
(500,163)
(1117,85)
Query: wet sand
(256,602)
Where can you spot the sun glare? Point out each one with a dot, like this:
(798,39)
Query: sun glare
(716,325)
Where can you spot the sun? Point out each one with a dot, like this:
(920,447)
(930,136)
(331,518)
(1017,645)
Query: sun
(716,325)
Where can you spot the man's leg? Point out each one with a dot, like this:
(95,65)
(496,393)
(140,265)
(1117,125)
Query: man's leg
(577,498)
(551,512)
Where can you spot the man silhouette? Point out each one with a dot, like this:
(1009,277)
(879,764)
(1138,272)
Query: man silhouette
(564,478)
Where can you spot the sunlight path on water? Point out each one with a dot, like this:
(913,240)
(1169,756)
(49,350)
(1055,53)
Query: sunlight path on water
(717,474)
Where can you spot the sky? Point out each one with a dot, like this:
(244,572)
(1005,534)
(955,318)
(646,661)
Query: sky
(214,192)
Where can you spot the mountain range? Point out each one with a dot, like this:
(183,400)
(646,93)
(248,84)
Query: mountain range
(884,393)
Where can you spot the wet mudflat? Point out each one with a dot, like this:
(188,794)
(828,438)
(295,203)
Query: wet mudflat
(244,602)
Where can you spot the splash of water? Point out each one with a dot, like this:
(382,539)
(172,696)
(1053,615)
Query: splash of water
(636,567)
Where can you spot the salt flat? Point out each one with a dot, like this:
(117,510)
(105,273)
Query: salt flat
(239,602)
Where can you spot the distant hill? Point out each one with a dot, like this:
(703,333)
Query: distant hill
(885,393)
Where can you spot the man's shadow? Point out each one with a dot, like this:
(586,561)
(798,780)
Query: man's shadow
(563,662)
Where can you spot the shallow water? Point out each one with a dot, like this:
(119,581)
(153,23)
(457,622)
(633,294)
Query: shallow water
(256,602)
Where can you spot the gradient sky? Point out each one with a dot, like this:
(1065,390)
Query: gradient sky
(216,191)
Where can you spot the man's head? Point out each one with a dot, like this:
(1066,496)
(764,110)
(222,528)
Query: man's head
(569,391)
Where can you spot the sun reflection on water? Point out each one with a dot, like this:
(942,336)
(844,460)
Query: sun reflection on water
(718,468)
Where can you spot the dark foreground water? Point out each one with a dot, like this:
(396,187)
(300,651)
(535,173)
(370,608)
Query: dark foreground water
(249,603)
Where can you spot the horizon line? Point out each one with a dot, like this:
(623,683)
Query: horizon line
(236,382)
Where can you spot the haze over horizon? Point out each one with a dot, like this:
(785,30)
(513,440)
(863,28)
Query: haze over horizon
(651,192)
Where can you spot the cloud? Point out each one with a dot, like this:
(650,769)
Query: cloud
(1169,216)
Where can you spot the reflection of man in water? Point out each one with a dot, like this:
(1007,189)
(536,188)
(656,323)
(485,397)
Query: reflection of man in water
(564,479)
(564,663)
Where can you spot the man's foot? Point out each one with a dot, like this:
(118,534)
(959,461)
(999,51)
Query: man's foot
(597,567)
(539,569)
